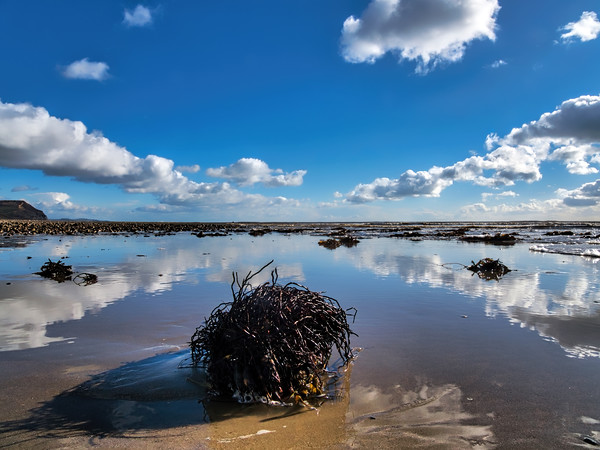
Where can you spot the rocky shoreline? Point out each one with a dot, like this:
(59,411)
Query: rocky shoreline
(66,227)
(495,233)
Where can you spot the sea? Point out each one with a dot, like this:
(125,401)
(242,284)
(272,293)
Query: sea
(445,357)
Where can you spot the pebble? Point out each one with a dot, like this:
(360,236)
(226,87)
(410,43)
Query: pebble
(590,440)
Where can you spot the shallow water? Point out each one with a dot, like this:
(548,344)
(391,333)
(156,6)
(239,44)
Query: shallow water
(449,359)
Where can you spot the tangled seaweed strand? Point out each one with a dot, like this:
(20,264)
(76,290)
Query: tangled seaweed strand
(489,269)
(85,279)
(272,343)
(60,272)
(57,271)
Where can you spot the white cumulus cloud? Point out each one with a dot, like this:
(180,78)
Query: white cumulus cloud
(570,135)
(57,201)
(140,16)
(31,138)
(529,210)
(426,31)
(85,69)
(501,167)
(423,183)
(587,194)
(586,28)
(249,171)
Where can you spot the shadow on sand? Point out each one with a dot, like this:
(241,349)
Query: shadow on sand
(152,394)
(138,398)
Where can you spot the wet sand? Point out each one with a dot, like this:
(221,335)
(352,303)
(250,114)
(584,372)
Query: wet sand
(427,418)
(449,360)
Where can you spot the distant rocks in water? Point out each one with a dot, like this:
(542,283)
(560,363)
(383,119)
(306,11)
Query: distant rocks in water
(259,231)
(583,235)
(496,239)
(346,241)
(559,233)
(19,210)
(408,234)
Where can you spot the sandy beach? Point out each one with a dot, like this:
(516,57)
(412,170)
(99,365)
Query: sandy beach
(448,360)
(286,225)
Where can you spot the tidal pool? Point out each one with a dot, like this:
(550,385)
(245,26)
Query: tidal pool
(449,360)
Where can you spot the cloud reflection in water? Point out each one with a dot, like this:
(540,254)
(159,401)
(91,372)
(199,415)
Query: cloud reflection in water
(29,305)
(561,303)
(426,417)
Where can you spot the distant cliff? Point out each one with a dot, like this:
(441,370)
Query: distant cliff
(20,209)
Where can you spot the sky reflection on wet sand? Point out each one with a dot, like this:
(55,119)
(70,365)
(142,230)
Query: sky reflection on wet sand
(450,356)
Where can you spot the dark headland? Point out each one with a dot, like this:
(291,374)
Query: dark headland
(19,210)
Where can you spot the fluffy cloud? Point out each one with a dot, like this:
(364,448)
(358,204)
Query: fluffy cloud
(138,17)
(586,28)
(30,138)
(570,135)
(505,166)
(426,31)
(574,157)
(531,210)
(84,69)
(587,194)
(576,119)
(249,171)
(57,201)
(559,208)
(423,183)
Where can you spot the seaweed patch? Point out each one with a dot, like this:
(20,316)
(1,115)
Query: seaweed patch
(272,343)
(60,272)
(489,269)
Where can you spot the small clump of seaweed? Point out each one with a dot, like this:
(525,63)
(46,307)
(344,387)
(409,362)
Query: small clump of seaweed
(349,241)
(60,272)
(346,241)
(331,244)
(272,343)
(57,271)
(85,279)
(489,269)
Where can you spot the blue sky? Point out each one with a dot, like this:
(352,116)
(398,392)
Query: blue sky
(401,110)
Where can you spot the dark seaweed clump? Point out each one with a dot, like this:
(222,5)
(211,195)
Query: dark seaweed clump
(57,271)
(272,343)
(332,244)
(60,272)
(489,269)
